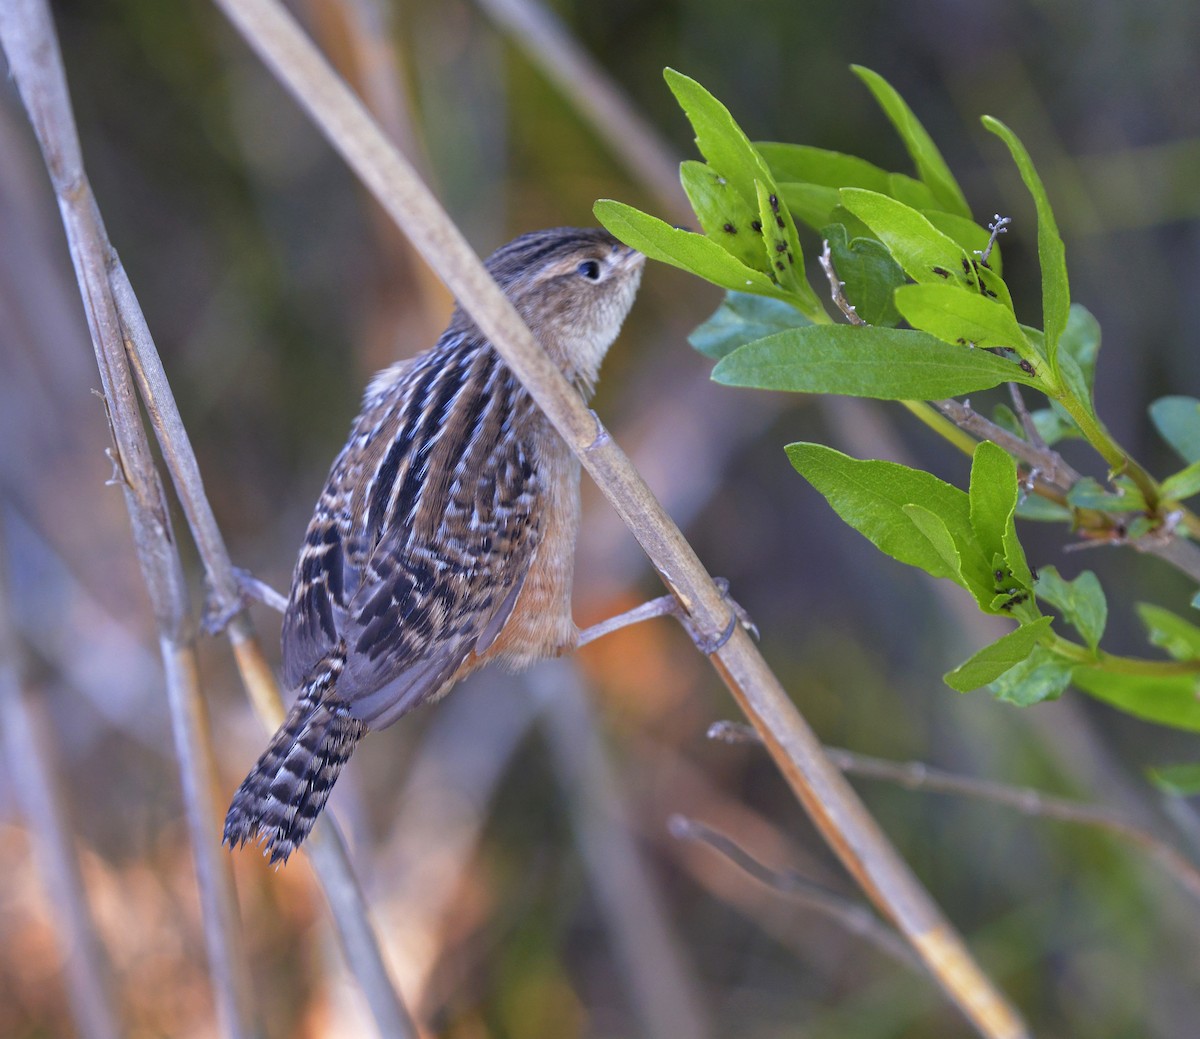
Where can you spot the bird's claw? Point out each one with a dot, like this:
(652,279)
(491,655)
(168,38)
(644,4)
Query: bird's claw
(709,644)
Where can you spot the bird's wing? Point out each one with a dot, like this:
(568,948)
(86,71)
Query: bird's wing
(416,558)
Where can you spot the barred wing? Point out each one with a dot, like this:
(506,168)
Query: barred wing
(429,523)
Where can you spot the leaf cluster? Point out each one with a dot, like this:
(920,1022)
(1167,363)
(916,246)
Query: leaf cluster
(931,318)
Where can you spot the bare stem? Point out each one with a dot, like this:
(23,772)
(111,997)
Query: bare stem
(836,287)
(833,805)
(27,33)
(916,775)
(116,323)
(853,916)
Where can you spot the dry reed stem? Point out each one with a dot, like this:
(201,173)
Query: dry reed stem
(27,33)
(29,42)
(838,813)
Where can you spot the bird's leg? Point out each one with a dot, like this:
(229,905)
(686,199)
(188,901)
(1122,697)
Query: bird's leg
(668,606)
(254,589)
(250,589)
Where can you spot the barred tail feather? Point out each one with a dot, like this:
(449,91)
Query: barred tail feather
(280,799)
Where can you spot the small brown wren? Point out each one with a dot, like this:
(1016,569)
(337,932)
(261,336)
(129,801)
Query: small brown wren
(445,536)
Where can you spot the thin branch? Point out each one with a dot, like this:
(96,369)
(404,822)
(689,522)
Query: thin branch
(1052,468)
(836,286)
(853,916)
(1027,423)
(1053,473)
(834,806)
(915,775)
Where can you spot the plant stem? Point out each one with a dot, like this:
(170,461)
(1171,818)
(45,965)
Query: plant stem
(1121,665)
(926,413)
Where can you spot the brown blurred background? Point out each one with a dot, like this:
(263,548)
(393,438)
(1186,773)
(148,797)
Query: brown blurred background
(514,838)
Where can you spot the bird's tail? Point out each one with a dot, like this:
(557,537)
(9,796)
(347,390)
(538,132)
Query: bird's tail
(280,799)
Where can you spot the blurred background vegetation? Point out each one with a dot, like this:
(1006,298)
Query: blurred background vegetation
(514,838)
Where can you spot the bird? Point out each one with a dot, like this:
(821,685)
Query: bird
(444,538)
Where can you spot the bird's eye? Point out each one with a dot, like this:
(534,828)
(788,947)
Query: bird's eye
(590,269)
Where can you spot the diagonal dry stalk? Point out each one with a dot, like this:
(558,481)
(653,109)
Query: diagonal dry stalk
(839,814)
(120,336)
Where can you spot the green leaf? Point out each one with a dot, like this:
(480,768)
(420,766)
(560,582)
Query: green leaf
(912,193)
(992,661)
(811,204)
(1075,381)
(1088,494)
(782,248)
(1039,510)
(1178,780)
(1041,676)
(1169,700)
(961,315)
(1081,602)
(741,319)
(869,273)
(967,233)
(921,249)
(691,252)
(1183,484)
(861,361)
(931,167)
(726,217)
(1177,420)
(1081,341)
(1056,292)
(1180,638)
(992,494)
(719,138)
(938,534)
(1052,426)
(800,162)
(871,496)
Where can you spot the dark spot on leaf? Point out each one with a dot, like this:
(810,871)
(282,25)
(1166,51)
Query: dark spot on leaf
(774,200)
(757,225)
(730,229)
(779,221)
(989,293)
(781,247)
(779,264)
(941,272)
